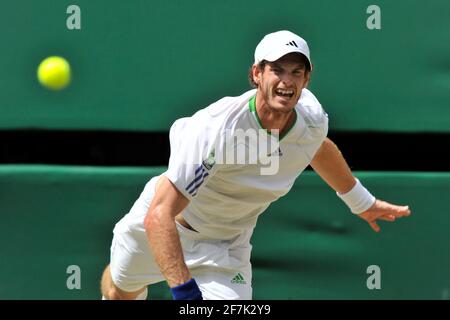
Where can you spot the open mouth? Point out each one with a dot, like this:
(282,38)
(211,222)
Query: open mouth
(284,93)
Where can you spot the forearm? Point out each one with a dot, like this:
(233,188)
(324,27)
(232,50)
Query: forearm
(331,166)
(165,244)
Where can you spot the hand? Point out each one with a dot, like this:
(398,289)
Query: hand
(383,210)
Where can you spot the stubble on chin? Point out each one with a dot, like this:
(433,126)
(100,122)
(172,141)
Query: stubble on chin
(280,111)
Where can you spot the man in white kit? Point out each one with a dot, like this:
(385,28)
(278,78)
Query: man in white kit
(191,226)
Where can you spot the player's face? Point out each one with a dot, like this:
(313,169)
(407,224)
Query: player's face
(281,82)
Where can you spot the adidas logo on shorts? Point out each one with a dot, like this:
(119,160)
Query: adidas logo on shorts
(239,279)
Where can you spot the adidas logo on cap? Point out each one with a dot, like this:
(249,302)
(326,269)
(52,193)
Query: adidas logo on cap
(292,43)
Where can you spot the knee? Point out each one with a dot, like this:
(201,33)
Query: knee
(114,293)
(111,292)
(107,287)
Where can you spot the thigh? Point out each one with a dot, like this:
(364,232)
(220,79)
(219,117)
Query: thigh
(217,284)
(222,269)
(132,264)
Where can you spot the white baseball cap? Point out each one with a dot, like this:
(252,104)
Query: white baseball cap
(277,44)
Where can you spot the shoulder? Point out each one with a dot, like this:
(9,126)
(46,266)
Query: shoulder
(227,107)
(215,118)
(311,110)
(220,111)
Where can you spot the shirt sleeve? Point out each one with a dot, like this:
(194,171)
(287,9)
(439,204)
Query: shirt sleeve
(316,122)
(192,148)
(323,125)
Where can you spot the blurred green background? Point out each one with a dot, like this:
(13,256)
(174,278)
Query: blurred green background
(306,246)
(140,65)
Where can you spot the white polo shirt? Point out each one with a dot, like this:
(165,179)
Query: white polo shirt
(227,195)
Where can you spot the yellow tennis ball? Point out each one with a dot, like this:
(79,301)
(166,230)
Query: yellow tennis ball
(54,73)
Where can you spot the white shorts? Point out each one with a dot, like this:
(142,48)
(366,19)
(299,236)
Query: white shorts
(221,268)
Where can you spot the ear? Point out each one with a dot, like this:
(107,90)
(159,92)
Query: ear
(256,73)
(308,78)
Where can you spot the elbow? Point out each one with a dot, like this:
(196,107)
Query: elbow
(325,148)
(328,143)
(322,155)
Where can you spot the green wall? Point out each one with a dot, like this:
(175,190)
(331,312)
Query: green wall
(139,65)
(306,246)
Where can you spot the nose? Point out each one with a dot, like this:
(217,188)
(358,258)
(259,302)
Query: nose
(287,78)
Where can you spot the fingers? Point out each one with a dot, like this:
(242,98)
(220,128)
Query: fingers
(374,226)
(388,217)
(391,217)
(403,211)
(407,211)
(390,211)
(384,211)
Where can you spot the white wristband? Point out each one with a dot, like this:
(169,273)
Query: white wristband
(359,199)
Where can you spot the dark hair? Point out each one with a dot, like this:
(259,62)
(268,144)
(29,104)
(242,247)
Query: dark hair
(304,61)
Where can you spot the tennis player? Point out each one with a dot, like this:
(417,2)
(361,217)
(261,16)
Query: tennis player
(192,225)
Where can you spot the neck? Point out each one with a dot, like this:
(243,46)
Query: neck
(272,119)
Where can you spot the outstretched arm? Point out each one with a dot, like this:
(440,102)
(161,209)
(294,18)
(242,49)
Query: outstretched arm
(331,166)
(164,240)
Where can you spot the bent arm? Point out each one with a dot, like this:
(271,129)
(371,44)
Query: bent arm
(331,166)
(162,233)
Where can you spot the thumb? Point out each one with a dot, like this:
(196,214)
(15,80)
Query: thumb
(374,226)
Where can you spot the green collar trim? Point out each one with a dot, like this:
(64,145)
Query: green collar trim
(252,107)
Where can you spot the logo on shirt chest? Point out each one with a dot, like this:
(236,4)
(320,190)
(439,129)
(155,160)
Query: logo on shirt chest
(209,162)
(277,152)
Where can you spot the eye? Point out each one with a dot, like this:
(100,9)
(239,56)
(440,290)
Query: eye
(276,70)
